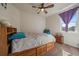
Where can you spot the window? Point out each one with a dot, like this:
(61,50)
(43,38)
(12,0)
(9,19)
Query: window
(71,25)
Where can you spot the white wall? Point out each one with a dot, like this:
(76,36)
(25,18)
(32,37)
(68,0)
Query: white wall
(11,14)
(53,23)
(23,21)
(32,22)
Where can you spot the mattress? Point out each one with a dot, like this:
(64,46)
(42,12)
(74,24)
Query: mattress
(31,41)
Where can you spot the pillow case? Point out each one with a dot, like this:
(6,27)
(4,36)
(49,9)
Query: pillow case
(18,35)
(47,31)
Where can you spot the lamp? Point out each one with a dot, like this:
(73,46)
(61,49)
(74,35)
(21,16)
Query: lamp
(42,9)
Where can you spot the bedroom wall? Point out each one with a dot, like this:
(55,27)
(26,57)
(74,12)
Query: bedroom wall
(53,23)
(12,15)
(32,23)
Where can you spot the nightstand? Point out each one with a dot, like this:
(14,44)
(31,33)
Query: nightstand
(59,38)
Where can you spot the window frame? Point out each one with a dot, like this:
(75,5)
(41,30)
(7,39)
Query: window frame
(75,27)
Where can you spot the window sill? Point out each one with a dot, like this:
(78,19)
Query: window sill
(69,32)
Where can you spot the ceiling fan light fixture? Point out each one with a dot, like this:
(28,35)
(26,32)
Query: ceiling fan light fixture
(42,9)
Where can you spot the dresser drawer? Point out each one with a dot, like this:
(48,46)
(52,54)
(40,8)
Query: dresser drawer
(41,50)
(30,52)
(50,46)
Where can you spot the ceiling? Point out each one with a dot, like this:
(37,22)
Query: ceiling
(58,7)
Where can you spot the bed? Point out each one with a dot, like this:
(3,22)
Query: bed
(35,44)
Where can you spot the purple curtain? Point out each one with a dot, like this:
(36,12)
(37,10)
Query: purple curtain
(67,16)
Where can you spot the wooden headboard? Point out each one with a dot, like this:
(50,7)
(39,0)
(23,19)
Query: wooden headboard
(4,42)
(11,30)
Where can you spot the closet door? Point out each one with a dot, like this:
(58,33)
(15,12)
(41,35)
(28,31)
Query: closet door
(3,41)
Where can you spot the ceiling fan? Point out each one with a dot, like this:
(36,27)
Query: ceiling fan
(43,8)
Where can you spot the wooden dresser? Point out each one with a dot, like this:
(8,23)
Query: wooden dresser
(4,31)
(59,39)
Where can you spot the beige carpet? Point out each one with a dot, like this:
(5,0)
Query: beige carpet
(63,50)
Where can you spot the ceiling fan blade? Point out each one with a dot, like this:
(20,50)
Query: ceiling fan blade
(34,6)
(45,11)
(50,6)
(39,11)
(42,5)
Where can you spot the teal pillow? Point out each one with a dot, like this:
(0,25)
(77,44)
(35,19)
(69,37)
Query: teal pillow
(18,35)
(47,31)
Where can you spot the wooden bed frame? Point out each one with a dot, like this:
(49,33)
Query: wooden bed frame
(37,51)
